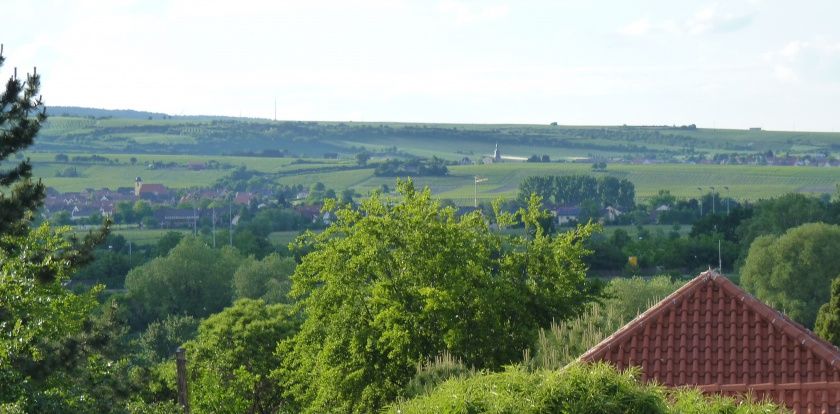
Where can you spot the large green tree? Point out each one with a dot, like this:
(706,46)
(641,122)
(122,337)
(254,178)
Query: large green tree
(21,114)
(828,318)
(193,279)
(398,281)
(266,279)
(793,272)
(232,356)
(35,309)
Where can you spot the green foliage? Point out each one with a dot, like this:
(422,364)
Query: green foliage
(564,341)
(828,318)
(161,338)
(433,372)
(578,389)
(793,272)
(34,304)
(414,167)
(108,268)
(266,279)
(167,242)
(398,281)
(194,279)
(572,190)
(232,356)
(21,116)
(777,215)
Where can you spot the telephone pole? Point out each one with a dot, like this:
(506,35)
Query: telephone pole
(475,194)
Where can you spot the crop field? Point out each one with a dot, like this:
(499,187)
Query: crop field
(181,140)
(744,182)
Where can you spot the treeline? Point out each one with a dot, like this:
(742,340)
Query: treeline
(573,190)
(418,167)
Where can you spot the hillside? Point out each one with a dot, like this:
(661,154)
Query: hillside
(92,130)
(292,152)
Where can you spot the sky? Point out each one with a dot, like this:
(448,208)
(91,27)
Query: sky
(725,64)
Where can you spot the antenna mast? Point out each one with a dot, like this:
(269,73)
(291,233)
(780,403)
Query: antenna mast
(720,259)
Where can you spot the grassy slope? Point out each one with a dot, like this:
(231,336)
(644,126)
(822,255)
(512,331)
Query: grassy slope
(744,182)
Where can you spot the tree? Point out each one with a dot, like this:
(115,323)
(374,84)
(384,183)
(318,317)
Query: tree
(793,272)
(141,210)
(167,242)
(133,160)
(400,280)
(35,307)
(61,158)
(775,216)
(347,196)
(232,356)
(193,279)
(362,158)
(266,279)
(828,318)
(160,339)
(21,115)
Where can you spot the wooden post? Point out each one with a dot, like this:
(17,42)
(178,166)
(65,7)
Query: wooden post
(183,392)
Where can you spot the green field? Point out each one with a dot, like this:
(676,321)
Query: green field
(190,140)
(745,182)
(142,237)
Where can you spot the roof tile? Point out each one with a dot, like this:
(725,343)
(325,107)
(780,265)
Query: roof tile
(713,335)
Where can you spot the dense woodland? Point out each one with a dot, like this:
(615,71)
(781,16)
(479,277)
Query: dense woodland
(401,304)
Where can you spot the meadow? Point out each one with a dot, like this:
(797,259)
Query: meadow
(744,182)
(187,140)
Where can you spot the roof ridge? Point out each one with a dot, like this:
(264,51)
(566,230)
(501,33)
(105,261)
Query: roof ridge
(789,327)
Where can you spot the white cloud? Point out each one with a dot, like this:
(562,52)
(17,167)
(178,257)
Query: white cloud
(706,20)
(785,74)
(636,28)
(817,59)
(465,13)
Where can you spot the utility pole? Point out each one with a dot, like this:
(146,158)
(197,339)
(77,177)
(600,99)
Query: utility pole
(720,259)
(713,200)
(214,227)
(701,201)
(181,368)
(475,194)
(727,199)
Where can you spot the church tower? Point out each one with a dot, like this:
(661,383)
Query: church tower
(497,156)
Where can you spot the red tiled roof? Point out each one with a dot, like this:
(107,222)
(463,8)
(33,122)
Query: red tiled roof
(243,198)
(153,188)
(713,335)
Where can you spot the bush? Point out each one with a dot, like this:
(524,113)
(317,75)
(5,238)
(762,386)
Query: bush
(564,341)
(579,389)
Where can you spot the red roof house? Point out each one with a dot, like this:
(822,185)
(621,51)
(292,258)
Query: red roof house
(244,198)
(712,335)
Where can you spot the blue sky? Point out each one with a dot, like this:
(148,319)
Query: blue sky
(735,63)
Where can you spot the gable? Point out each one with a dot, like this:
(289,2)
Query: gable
(713,335)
